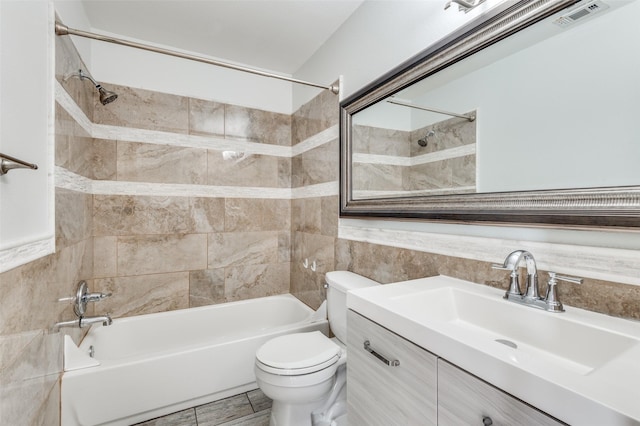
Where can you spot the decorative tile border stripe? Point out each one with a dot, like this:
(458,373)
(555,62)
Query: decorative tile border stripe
(103,131)
(319,139)
(445,154)
(16,256)
(609,264)
(68,180)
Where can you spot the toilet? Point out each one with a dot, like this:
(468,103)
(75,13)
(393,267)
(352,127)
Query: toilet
(305,373)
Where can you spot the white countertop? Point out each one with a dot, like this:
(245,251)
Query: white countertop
(601,388)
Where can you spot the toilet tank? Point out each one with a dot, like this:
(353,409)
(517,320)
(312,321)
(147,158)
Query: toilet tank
(339,283)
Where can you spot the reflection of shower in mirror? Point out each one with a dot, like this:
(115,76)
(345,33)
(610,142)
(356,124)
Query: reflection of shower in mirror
(423,141)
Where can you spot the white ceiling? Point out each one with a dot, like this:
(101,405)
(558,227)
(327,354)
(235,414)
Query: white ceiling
(276,35)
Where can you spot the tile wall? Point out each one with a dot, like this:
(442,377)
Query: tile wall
(31,356)
(167,251)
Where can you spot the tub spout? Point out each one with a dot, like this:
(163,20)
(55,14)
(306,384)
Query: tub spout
(83,322)
(104,319)
(72,323)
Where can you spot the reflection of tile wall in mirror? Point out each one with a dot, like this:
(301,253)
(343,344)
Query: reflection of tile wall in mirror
(432,160)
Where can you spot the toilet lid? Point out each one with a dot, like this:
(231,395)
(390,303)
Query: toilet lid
(299,351)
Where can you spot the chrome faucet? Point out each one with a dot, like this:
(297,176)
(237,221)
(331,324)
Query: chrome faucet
(80,301)
(531,295)
(83,322)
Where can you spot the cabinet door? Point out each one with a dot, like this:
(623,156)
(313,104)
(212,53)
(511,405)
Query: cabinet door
(381,394)
(464,399)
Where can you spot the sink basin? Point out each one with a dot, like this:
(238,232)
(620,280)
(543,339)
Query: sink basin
(528,335)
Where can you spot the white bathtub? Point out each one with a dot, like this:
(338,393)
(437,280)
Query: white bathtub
(152,365)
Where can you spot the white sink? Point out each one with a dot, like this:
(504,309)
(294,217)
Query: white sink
(534,336)
(579,366)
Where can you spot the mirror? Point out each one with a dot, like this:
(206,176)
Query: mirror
(525,116)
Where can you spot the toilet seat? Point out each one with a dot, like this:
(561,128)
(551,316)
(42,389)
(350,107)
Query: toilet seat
(298,354)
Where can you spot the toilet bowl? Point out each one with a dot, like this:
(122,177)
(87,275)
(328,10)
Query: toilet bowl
(305,373)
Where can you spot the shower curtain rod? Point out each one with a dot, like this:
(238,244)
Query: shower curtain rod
(469,117)
(62,29)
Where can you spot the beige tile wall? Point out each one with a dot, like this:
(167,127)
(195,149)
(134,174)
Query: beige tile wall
(31,355)
(215,249)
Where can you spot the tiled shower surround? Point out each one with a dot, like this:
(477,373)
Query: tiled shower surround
(162,206)
(390,162)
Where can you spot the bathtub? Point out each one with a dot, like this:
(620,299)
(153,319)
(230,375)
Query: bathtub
(151,365)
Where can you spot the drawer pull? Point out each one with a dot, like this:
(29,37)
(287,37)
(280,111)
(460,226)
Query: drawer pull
(392,363)
(486,421)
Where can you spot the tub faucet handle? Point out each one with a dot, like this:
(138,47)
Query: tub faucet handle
(96,297)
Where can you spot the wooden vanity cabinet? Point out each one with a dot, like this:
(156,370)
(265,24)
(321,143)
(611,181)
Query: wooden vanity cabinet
(422,389)
(463,399)
(382,394)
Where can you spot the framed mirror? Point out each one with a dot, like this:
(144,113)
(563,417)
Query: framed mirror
(525,116)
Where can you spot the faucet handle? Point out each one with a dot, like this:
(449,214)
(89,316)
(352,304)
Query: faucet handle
(555,277)
(95,297)
(514,283)
(551,299)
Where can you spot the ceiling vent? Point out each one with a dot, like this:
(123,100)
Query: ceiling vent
(580,13)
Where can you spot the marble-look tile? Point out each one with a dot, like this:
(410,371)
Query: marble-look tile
(105,257)
(153,254)
(242,248)
(257,125)
(143,162)
(73,217)
(242,169)
(318,114)
(284,172)
(377,177)
(144,294)
(463,171)
(104,160)
(144,109)
(219,412)
(330,211)
(68,62)
(30,292)
(389,142)
(206,287)
(139,215)
(181,418)
(259,401)
(206,117)
(447,134)
(315,166)
(30,401)
(436,175)
(251,281)
(242,214)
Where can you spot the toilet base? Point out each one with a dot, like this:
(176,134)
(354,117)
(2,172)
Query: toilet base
(287,414)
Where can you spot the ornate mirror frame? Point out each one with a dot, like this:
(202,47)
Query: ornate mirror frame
(591,207)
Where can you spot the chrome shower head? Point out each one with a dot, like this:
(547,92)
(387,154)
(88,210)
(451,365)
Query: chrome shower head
(425,139)
(106,96)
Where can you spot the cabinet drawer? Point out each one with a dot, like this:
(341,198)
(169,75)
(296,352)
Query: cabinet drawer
(464,399)
(381,394)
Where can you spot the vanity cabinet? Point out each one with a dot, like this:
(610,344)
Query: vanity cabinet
(422,389)
(464,399)
(386,394)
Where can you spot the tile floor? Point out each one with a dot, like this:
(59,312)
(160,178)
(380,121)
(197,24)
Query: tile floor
(248,409)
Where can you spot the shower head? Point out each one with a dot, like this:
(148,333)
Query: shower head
(106,96)
(423,141)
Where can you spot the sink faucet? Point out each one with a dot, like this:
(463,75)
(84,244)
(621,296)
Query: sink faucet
(512,263)
(531,296)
